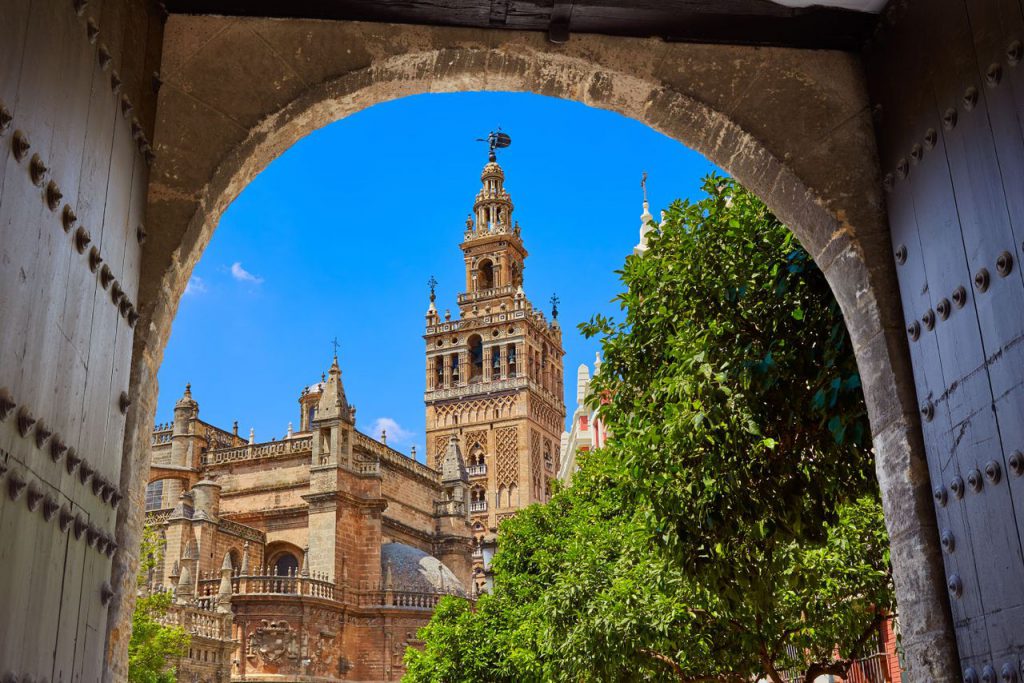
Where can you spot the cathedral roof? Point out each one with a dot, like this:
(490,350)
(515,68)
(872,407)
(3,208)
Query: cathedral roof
(411,569)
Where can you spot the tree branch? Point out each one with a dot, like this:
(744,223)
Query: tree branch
(841,667)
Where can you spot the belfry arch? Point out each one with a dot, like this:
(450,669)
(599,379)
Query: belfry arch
(219,123)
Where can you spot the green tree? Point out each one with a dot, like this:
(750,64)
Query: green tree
(153,645)
(731,529)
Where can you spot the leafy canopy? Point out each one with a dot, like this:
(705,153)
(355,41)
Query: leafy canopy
(731,528)
(153,645)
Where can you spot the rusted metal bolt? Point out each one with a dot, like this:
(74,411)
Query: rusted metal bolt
(1004,264)
(53,195)
(68,218)
(955,585)
(940,496)
(1017,463)
(20,145)
(960,297)
(72,461)
(34,498)
(914,330)
(65,519)
(50,507)
(91,31)
(5,119)
(993,75)
(123,402)
(37,170)
(929,319)
(981,280)
(974,480)
(901,254)
(106,277)
(42,433)
(25,421)
(94,259)
(57,448)
(82,239)
(970,98)
(931,137)
(948,542)
(943,308)
(993,472)
(15,485)
(957,487)
(928,411)
(103,56)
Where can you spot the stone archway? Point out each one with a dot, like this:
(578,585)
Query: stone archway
(791,125)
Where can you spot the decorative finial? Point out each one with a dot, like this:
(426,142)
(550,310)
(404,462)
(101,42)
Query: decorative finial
(643,186)
(412,452)
(432,283)
(495,140)
(384,437)
(554,306)
(335,344)
(188,388)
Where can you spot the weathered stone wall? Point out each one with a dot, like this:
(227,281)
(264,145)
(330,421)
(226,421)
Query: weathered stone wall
(76,113)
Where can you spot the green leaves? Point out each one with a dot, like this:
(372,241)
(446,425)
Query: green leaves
(732,524)
(153,646)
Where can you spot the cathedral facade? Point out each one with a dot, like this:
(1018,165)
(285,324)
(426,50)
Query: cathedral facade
(318,556)
(494,376)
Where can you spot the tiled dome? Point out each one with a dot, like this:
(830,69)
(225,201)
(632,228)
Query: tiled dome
(414,570)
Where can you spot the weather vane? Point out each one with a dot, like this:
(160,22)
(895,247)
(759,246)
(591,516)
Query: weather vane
(335,344)
(495,140)
(554,306)
(432,283)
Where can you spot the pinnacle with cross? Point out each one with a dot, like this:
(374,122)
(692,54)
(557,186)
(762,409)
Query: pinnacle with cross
(554,306)
(335,344)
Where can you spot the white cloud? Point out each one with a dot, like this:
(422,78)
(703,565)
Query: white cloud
(243,275)
(195,285)
(397,435)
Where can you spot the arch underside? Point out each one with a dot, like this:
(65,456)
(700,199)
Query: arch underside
(792,126)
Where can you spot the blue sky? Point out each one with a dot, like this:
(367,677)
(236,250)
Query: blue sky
(339,235)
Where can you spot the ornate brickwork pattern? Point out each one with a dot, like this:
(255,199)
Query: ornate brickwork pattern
(506,462)
(535,466)
(440,444)
(476,410)
(547,416)
(476,438)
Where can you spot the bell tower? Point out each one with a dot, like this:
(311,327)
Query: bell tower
(494,376)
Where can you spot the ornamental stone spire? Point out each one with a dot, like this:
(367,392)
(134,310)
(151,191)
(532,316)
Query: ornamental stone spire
(333,404)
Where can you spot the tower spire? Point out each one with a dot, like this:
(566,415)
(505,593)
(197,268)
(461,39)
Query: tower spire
(645,218)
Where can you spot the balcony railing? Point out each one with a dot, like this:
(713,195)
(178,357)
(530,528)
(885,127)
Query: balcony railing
(450,508)
(478,506)
(468,297)
(477,470)
(313,586)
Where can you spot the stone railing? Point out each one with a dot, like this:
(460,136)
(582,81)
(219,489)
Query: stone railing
(456,508)
(393,457)
(469,297)
(477,470)
(478,506)
(158,517)
(481,321)
(241,531)
(198,619)
(270,449)
(313,586)
(494,386)
(161,437)
(367,467)
(269,584)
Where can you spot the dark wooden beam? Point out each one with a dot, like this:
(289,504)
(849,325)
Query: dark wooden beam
(744,22)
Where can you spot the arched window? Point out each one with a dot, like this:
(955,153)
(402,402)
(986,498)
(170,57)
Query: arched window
(476,358)
(485,275)
(286,565)
(154,495)
(496,362)
(511,360)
